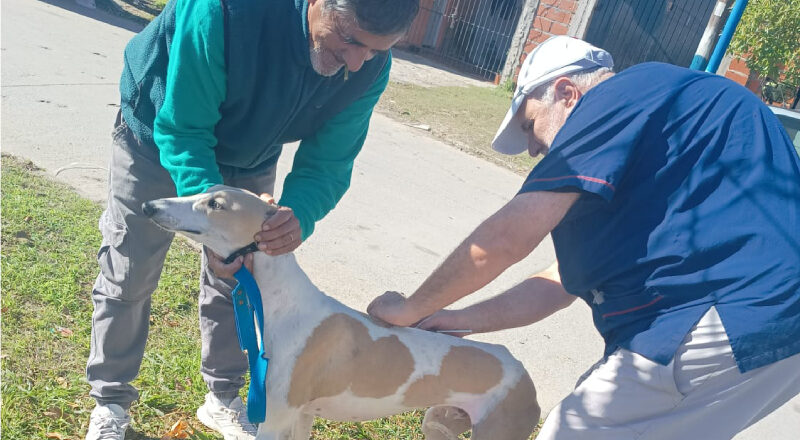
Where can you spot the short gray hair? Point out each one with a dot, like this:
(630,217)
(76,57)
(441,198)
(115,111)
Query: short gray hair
(379,17)
(585,80)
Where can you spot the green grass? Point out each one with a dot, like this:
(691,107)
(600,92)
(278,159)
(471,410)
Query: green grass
(49,242)
(465,117)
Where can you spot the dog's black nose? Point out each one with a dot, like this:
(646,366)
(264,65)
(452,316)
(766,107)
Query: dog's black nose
(149,209)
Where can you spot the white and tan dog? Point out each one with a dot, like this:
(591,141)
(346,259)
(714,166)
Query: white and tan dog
(330,361)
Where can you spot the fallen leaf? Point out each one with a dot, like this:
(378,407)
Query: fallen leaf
(54,413)
(178,431)
(65,332)
(54,435)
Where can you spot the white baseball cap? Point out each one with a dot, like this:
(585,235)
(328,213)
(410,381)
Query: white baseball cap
(558,56)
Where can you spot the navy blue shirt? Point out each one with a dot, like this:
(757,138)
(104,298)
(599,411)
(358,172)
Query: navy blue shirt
(690,198)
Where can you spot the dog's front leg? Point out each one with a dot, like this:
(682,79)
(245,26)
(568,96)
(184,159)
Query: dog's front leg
(294,426)
(302,428)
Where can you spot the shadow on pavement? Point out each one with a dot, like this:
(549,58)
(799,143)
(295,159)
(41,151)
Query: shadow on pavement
(129,23)
(406,55)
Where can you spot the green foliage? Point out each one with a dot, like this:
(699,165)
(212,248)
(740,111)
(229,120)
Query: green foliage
(508,87)
(768,37)
(49,243)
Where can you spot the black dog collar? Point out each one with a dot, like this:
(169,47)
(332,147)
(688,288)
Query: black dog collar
(250,248)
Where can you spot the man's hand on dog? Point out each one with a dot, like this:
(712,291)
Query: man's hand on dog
(393,308)
(280,234)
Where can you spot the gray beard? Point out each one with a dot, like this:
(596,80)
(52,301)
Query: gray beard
(319,66)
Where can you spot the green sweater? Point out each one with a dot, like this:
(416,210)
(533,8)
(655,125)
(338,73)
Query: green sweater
(195,89)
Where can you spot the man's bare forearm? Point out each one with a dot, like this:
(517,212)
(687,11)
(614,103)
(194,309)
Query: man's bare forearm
(530,301)
(502,240)
(475,263)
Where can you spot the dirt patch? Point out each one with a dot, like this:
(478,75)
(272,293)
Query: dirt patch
(25,164)
(139,11)
(409,68)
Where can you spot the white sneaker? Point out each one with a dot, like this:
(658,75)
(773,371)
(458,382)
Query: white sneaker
(229,420)
(108,422)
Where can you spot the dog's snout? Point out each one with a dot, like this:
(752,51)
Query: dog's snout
(149,209)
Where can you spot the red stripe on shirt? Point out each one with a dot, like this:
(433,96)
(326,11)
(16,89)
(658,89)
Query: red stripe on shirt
(590,179)
(633,309)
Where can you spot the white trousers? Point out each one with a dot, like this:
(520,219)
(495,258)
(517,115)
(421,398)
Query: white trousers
(700,395)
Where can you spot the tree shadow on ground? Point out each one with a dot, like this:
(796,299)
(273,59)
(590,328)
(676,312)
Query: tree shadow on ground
(119,18)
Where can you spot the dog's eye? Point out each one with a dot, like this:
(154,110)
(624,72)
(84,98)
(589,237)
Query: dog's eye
(214,205)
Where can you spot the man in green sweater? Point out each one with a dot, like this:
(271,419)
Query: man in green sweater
(210,92)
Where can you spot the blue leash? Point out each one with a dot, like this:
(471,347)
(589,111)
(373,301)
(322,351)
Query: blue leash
(246,300)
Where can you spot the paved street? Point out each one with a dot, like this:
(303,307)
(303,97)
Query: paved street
(411,201)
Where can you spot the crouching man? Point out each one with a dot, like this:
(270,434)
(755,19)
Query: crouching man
(673,199)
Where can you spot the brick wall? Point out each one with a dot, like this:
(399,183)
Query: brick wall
(737,71)
(553,17)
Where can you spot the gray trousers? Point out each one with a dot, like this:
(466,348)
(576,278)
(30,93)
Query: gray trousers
(131,258)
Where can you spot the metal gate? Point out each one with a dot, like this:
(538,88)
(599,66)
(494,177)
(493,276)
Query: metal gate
(635,31)
(471,35)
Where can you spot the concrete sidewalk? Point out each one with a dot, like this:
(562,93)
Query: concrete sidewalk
(411,201)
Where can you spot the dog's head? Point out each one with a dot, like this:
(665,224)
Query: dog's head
(224,218)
